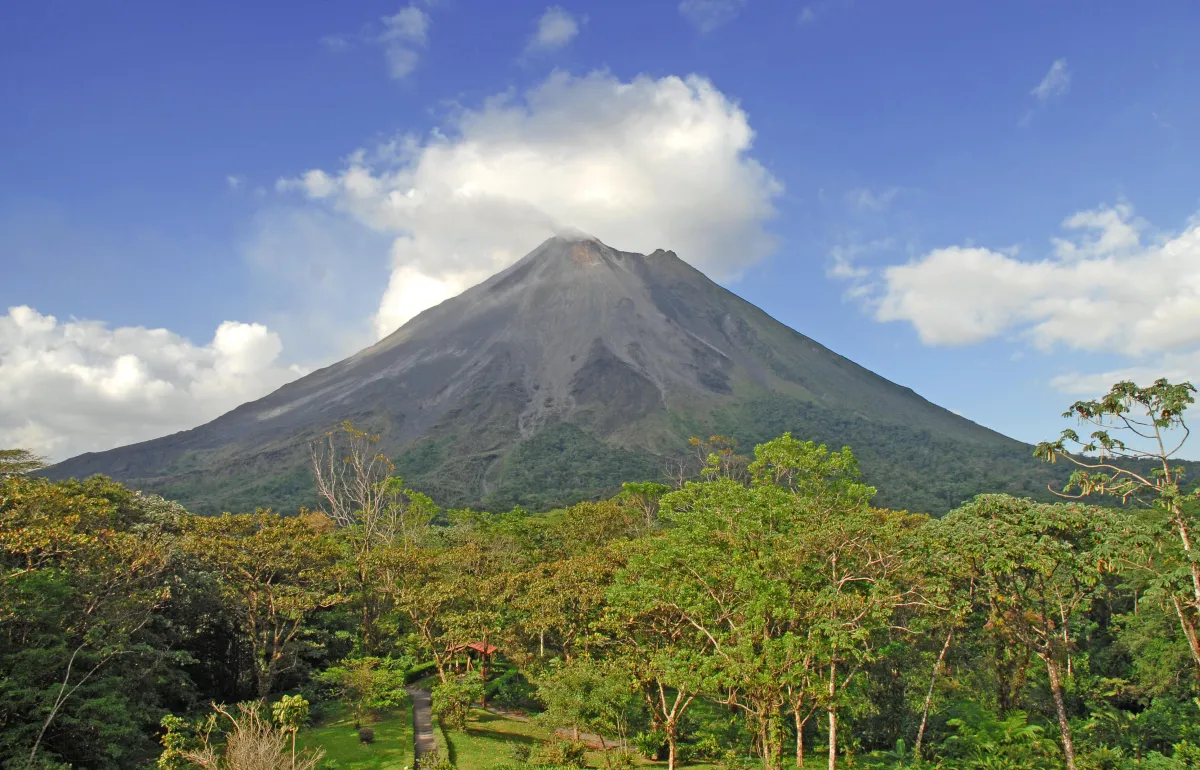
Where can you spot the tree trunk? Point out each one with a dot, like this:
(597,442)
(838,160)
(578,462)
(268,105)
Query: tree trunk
(1189,629)
(1186,538)
(929,696)
(799,739)
(833,719)
(832,739)
(1061,709)
(1185,620)
(670,752)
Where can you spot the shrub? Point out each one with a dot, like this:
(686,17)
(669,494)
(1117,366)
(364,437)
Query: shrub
(650,744)
(452,702)
(559,753)
(707,747)
(512,690)
(434,760)
(366,735)
(519,751)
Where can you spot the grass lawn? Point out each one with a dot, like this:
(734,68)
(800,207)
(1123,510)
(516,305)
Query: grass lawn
(487,740)
(392,749)
(489,737)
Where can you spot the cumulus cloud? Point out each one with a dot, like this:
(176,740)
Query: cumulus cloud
(1055,83)
(1107,287)
(707,15)
(76,386)
(640,164)
(555,28)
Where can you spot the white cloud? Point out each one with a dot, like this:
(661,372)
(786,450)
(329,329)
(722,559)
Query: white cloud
(1175,367)
(76,386)
(807,15)
(1055,83)
(869,200)
(1106,289)
(404,33)
(555,29)
(641,164)
(845,257)
(234,182)
(335,43)
(707,15)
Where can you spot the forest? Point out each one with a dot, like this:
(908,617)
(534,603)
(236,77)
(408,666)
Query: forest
(758,610)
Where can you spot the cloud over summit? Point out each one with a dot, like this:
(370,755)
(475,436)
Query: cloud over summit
(640,164)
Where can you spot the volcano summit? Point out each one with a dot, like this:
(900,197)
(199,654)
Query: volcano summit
(575,369)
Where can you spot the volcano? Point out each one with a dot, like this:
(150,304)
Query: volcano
(553,381)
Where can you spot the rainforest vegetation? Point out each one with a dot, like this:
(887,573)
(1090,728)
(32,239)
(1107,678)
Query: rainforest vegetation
(756,610)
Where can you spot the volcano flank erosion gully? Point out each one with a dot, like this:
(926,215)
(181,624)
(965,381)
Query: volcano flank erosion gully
(575,369)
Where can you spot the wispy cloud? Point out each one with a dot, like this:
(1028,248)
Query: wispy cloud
(707,15)
(403,35)
(867,199)
(556,28)
(335,43)
(1055,83)
(807,15)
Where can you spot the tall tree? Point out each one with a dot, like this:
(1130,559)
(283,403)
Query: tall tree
(83,571)
(1038,568)
(275,574)
(372,508)
(659,650)
(19,462)
(778,577)
(1131,455)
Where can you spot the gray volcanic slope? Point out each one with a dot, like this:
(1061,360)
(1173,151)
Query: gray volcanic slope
(578,367)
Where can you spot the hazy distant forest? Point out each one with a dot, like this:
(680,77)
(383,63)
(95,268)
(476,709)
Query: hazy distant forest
(755,611)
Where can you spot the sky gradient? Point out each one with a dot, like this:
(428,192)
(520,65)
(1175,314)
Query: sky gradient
(995,205)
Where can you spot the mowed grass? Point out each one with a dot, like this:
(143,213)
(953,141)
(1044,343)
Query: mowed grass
(392,749)
(489,739)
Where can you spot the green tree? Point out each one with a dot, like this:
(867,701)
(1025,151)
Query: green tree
(1131,455)
(291,713)
(19,462)
(584,695)
(1037,567)
(372,508)
(778,579)
(661,652)
(452,701)
(275,573)
(368,685)
(84,572)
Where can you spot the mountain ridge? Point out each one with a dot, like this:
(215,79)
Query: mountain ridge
(629,352)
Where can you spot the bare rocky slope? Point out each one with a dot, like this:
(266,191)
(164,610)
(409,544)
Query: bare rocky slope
(577,368)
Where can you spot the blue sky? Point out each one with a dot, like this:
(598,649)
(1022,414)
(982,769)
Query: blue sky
(902,174)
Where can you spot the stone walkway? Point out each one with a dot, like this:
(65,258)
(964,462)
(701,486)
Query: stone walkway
(422,722)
